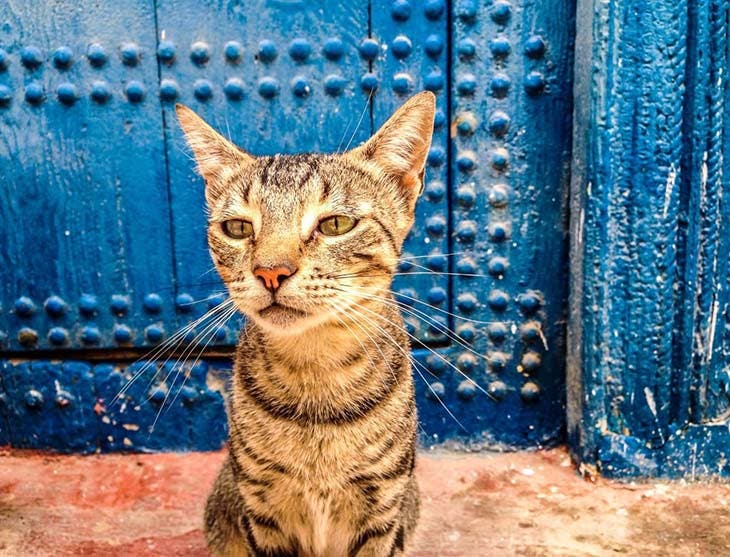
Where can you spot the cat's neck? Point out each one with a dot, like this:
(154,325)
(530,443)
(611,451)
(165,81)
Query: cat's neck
(324,346)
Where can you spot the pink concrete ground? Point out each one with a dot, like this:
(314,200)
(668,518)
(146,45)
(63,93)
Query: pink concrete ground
(523,504)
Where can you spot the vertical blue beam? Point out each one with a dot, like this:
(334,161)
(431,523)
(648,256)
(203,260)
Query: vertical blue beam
(412,39)
(648,348)
(510,128)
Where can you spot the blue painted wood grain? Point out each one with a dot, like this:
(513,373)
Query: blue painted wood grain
(511,92)
(84,210)
(648,352)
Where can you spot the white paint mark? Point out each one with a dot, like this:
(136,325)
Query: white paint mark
(711,332)
(543,339)
(650,400)
(671,179)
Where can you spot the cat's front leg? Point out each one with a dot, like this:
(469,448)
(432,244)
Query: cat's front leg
(382,540)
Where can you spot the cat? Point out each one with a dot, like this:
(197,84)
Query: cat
(322,417)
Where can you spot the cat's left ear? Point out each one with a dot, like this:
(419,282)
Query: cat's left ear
(215,155)
(401,145)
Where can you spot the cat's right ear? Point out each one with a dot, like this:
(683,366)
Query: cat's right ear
(216,157)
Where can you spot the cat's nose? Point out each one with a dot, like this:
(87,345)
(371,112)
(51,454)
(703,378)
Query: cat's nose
(272,277)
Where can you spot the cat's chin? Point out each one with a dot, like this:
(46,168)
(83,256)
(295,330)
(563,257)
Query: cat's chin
(282,320)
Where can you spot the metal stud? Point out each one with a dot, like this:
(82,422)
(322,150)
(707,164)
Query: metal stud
(497,266)
(233,89)
(299,50)
(122,334)
(530,391)
(498,389)
(268,87)
(434,9)
(169,90)
(34,93)
(62,58)
(369,82)
(534,83)
(499,196)
(267,51)
(466,302)
(466,265)
(200,53)
(96,54)
(497,361)
(334,84)
(100,92)
(55,306)
(466,195)
(300,86)
(203,89)
(535,46)
(166,52)
(24,307)
(119,304)
(436,364)
(130,54)
(90,335)
(333,49)
(66,93)
(31,57)
(401,47)
(400,10)
(500,47)
(233,51)
(436,262)
(154,333)
(433,45)
(184,303)
(27,337)
(498,300)
(497,332)
(58,336)
(6,95)
(466,390)
(501,11)
(530,362)
(135,91)
(436,391)
(499,123)
(499,231)
(466,231)
(369,49)
(88,305)
(152,303)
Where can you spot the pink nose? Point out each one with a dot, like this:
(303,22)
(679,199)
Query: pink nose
(272,277)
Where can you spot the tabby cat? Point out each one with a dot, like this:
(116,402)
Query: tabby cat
(322,420)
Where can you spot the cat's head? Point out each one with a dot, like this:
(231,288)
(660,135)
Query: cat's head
(301,239)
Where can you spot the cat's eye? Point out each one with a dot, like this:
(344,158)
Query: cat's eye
(336,225)
(237,228)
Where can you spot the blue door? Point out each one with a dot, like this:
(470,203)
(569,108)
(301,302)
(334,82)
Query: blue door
(104,257)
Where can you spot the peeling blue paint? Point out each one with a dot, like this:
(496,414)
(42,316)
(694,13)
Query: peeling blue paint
(648,349)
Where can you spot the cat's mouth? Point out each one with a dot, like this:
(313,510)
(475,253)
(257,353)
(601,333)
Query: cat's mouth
(281,314)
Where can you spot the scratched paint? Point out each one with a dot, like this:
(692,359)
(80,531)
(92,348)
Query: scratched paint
(649,309)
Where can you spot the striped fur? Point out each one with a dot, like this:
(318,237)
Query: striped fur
(323,420)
